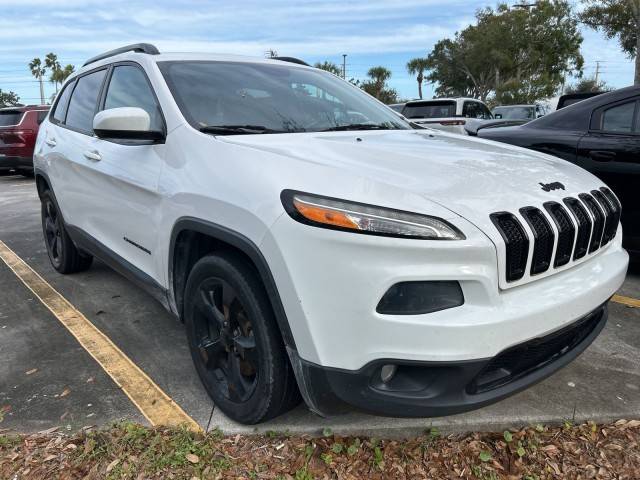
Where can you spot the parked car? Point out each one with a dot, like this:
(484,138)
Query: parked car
(447,114)
(401,271)
(519,112)
(397,107)
(571,98)
(600,134)
(18,132)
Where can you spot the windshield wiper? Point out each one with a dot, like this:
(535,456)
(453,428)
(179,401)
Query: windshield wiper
(359,126)
(239,129)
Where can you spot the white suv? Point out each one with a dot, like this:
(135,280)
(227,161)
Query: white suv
(314,243)
(446,114)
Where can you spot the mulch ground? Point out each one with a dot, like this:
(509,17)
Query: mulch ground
(130,451)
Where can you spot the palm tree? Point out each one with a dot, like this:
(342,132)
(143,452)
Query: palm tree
(379,76)
(52,63)
(329,67)
(61,74)
(417,66)
(38,70)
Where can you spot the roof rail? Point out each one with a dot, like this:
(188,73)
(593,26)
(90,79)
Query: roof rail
(135,47)
(291,60)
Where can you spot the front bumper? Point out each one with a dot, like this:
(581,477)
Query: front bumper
(428,389)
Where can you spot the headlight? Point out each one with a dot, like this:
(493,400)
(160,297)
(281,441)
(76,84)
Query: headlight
(356,217)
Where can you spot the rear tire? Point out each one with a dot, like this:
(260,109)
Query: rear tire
(63,254)
(235,342)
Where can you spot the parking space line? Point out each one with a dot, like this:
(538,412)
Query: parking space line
(628,301)
(153,403)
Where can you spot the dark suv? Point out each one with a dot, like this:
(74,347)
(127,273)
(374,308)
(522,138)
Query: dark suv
(18,132)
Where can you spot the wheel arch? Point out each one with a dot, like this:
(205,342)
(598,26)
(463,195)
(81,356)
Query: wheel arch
(42,182)
(192,238)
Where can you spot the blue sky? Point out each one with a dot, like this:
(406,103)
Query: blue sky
(370,32)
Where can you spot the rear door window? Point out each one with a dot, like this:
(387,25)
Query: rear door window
(60,111)
(619,119)
(442,109)
(129,87)
(10,117)
(82,105)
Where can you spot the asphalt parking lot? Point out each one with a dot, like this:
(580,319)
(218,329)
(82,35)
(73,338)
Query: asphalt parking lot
(47,378)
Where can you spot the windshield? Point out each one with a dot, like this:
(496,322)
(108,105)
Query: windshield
(432,109)
(515,113)
(240,97)
(10,117)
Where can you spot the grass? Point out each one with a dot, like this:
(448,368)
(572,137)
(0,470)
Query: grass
(130,451)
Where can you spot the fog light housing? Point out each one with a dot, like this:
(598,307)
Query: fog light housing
(387,372)
(417,298)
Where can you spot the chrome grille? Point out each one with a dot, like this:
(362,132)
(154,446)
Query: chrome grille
(583,225)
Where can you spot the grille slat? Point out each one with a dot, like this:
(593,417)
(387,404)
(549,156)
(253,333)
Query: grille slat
(617,208)
(516,243)
(609,226)
(583,225)
(543,238)
(566,232)
(598,221)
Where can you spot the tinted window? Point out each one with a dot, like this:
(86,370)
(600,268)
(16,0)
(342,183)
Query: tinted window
(63,102)
(42,114)
(83,101)
(278,97)
(515,112)
(10,117)
(129,88)
(619,118)
(438,109)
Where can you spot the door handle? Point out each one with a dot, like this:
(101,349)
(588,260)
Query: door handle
(93,155)
(51,142)
(602,155)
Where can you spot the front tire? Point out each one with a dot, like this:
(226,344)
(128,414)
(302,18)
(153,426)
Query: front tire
(63,254)
(235,342)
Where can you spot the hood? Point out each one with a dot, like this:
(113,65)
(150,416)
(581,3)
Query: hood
(466,175)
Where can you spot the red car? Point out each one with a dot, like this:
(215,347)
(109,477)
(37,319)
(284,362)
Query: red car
(18,132)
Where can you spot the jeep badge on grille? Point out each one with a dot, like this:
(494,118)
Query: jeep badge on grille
(547,187)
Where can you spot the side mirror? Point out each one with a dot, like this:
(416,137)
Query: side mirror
(125,123)
(498,115)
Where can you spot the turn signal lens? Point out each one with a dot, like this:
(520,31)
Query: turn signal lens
(316,213)
(356,217)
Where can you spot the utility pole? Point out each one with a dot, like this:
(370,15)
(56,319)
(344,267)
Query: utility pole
(344,66)
(598,71)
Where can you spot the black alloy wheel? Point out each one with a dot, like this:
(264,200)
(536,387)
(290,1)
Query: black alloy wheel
(235,341)
(63,254)
(226,342)
(51,224)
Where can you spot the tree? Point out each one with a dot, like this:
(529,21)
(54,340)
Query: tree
(512,55)
(379,77)
(588,85)
(38,70)
(617,19)
(52,63)
(417,66)
(329,67)
(377,85)
(8,99)
(59,76)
